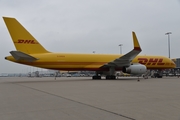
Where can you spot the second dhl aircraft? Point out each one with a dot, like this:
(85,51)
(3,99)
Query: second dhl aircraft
(30,52)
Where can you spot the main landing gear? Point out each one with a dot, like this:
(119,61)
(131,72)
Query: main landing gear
(108,77)
(96,77)
(111,75)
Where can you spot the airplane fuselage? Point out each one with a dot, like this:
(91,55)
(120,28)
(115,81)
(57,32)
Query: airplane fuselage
(70,61)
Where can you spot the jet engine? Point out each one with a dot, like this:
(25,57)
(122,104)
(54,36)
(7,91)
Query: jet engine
(135,69)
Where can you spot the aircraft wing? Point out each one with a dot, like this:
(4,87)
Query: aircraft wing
(18,55)
(126,59)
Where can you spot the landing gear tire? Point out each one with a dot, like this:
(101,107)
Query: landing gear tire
(96,77)
(110,77)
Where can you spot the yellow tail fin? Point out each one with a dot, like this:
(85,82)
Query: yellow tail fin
(22,39)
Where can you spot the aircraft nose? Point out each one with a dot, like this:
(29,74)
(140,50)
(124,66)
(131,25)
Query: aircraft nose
(173,64)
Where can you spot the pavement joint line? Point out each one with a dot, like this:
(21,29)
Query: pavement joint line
(77,102)
(27,111)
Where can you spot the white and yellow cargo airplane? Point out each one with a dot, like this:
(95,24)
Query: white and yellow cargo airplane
(30,52)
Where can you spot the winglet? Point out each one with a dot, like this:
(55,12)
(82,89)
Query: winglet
(136,43)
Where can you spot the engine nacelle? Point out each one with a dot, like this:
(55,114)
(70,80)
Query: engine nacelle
(135,69)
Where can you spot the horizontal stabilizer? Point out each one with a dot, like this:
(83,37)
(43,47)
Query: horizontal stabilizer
(18,55)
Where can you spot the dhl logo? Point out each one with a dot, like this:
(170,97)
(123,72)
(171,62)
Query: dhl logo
(26,41)
(151,61)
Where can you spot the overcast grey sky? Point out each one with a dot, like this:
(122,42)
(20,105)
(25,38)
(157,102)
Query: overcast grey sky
(81,26)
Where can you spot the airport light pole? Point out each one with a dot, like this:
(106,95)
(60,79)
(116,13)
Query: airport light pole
(120,46)
(168,34)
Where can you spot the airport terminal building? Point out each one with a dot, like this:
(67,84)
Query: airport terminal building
(177,62)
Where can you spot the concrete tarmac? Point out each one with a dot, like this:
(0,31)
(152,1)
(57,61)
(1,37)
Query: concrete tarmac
(81,98)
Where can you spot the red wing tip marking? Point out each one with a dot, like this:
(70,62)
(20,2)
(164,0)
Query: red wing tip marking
(137,48)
